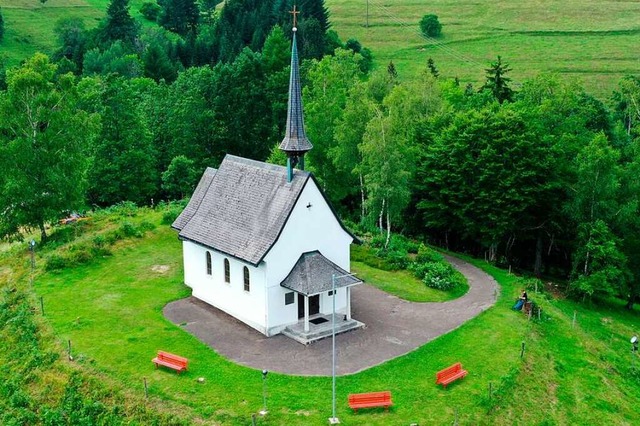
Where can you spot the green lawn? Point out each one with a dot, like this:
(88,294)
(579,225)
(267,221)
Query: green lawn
(111,311)
(595,42)
(402,284)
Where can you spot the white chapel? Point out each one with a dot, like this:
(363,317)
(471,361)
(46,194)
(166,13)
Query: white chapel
(262,243)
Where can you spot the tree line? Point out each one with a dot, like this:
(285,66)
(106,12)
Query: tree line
(543,178)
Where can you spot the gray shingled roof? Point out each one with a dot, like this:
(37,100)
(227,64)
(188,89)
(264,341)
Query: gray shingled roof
(295,138)
(195,200)
(244,208)
(312,274)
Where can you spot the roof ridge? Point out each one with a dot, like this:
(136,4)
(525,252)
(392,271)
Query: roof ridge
(259,164)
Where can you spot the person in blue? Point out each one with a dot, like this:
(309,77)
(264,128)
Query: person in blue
(521,301)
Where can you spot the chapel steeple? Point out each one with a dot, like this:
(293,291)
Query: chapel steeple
(295,143)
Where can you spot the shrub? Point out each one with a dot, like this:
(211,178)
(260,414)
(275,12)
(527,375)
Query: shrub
(128,229)
(79,255)
(171,214)
(55,262)
(150,10)
(529,284)
(396,259)
(146,226)
(378,240)
(413,246)
(125,209)
(366,255)
(64,234)
(430,26)
(439,276)
(113,236)
(426,254)
(100,241)
(399,243)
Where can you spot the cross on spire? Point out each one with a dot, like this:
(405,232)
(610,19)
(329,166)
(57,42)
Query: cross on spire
(294,12)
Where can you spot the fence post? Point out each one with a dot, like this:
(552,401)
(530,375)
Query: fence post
(522,350)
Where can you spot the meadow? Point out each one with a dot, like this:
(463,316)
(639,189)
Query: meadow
(110,308)
(29,24)
(592,42)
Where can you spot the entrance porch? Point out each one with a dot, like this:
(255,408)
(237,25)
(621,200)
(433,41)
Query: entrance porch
(319,327)
(322,287)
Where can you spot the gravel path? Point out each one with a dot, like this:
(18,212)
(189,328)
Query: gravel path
(394,327)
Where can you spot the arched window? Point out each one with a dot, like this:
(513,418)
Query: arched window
(247,282)
(208,263)
(227,271)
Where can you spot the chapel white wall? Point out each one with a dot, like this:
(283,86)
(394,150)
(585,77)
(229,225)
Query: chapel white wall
(248,307)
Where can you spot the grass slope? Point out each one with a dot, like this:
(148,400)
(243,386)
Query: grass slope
(111,310)
(29,25)
(594,41)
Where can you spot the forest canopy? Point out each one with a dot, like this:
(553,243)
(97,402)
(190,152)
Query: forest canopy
(540,175)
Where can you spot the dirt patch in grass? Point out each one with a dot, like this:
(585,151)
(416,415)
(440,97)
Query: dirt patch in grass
(160,269)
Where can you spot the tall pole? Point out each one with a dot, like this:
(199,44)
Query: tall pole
(32,248)
(333,420)
(264,411)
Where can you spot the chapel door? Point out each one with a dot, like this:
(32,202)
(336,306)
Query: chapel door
(314,305)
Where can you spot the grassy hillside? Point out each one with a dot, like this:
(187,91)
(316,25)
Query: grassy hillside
(589,40)
(29,24)
(594,41)
(109,277)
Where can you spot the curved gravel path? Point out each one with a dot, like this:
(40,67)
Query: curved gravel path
(394,327)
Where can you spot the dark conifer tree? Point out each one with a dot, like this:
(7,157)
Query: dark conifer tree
(157,64)
(497,83)
(431,65)
(118,24)
(124,166)
(72,41)
(391,71)
(180,16)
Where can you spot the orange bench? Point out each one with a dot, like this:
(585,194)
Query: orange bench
(449,374)
(369,400)
(172,361)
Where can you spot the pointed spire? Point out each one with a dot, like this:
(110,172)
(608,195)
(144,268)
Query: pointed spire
(295,143)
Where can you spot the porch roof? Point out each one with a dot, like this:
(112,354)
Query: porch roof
(312,274)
